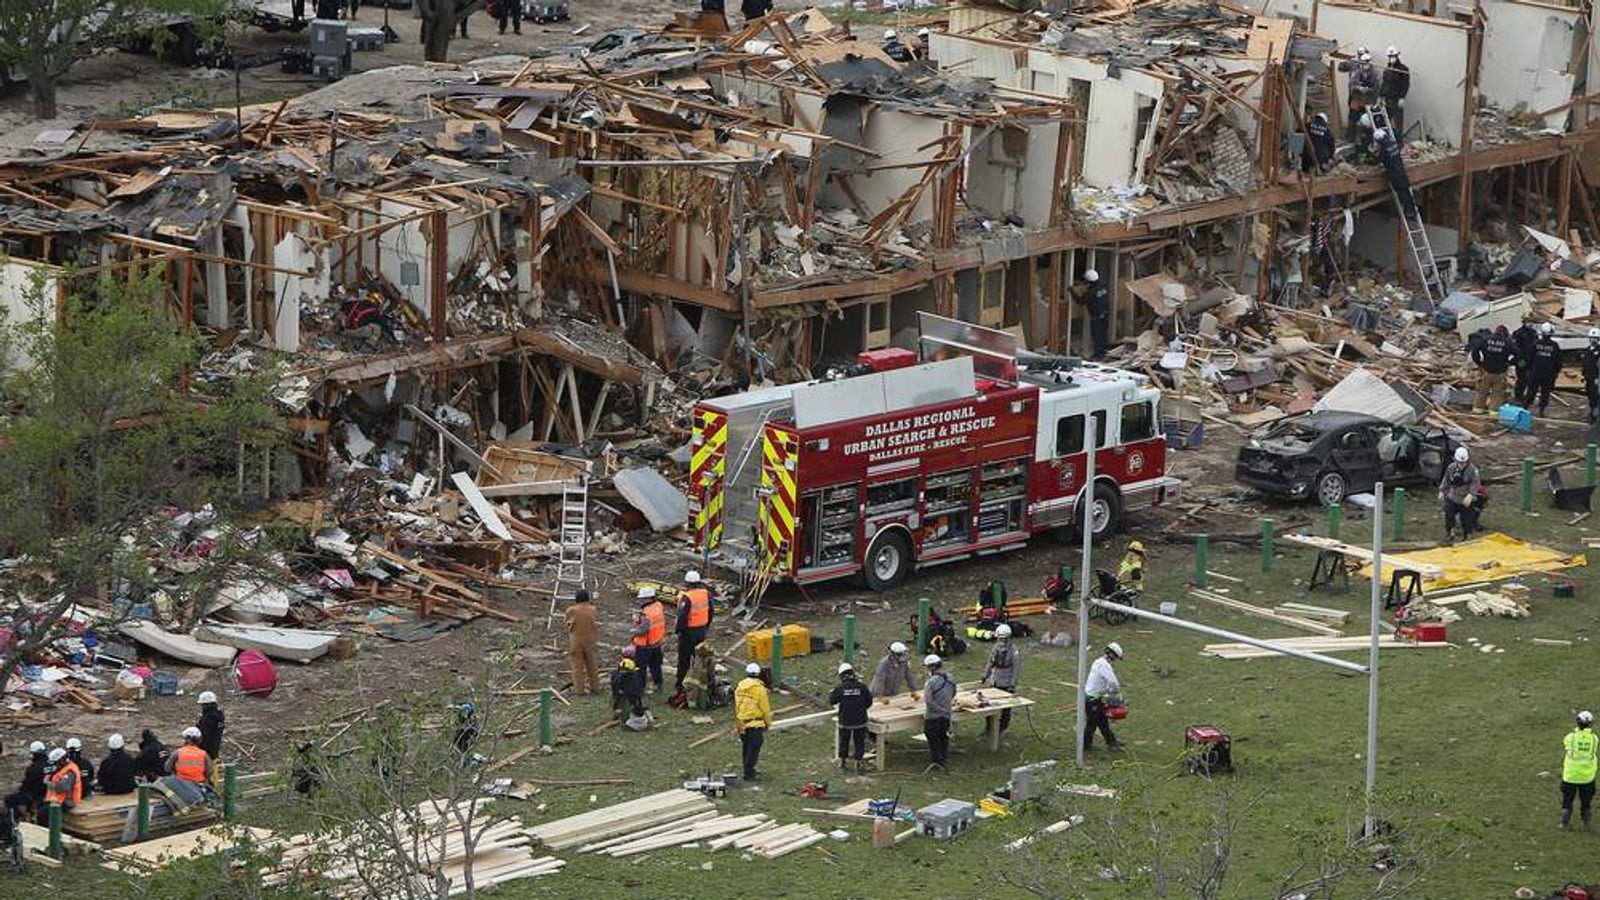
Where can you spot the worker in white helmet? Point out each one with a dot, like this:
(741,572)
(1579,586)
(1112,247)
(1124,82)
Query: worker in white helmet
(116,769)
(211,725)
(1392,90)
(893,674)
(1362,90)
(27,802)
(1579,749)
(853,699)
(1460,492)
(1003,668)
(939,700)
(649,633)
(1546,367)
(1591,374)
(752,716)
(1096,299)
(1101,690)
(696,608)
(85,767)
(894,49)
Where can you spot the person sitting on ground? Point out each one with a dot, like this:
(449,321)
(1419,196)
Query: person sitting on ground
(63,786)
(627,688)
(29,795)
(85,767)
(116,770)
(151,763)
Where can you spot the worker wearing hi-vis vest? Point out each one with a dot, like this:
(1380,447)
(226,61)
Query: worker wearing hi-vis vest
(65,784)
(189,762)
(649,631)
(752,715)
(1578,768)
(694,620)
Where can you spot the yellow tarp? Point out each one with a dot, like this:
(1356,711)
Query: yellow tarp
(1489,558)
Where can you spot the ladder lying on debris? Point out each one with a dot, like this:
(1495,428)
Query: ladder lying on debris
(574,538)
(1433,282)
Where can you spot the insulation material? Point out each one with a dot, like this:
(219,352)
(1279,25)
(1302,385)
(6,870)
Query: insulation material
(1493,557)
(22,288)
(1365,393)
(1435,50)
(663,504)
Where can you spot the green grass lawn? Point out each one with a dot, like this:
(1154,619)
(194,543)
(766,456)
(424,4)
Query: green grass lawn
(1465,736)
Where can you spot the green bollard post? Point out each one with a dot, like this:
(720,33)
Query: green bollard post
(1268,547)
(1335,518)
(1202,554)
(924,607)
(1589,464)
(1527,484)
(1399,515)
(850,639)
(546,731)
(230,793)
(777,657)
(55,848)
(143,820)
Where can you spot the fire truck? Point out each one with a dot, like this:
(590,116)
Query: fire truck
(967,447)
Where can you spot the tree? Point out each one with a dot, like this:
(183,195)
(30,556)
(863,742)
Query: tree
(102,440)
(440,19)
(44,38)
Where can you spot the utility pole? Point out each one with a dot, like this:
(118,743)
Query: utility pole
(1372,654)
(1086,522)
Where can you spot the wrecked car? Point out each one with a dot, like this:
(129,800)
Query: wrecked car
(1330,455)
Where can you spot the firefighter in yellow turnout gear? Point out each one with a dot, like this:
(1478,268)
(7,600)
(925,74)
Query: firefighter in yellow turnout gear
(1130,573)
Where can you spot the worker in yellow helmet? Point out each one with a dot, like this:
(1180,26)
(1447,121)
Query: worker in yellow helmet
(1130,574)
(1578,768)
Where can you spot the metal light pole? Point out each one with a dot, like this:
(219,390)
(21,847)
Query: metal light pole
(1372,653)
(1086,520)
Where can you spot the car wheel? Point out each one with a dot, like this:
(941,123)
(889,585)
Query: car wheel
(1331,488)
(1105,512)
(888,560)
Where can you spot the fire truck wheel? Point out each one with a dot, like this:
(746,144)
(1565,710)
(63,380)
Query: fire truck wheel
(1105,512)
(888,560)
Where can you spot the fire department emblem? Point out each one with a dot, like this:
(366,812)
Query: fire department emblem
(1135,462)
(1069,476)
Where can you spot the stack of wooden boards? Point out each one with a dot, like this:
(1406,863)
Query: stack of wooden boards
(430,591)
(1333,617)
(905,710)
(105,819)
(621,819)
(151,856)
(36,840)
(1360,642)
(357,863)
(1509,600)
(677,818)
(1301,621)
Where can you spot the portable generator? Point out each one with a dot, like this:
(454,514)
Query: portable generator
(1207,749)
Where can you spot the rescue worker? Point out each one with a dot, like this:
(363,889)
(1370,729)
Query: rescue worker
(1578,768)
(466,727)
(1362,90)
(853,700)
(211,725)
(191,762)
(1394,169)
(706,690)
(85,767)
(649,632)
(151,762)
(64,786)
(1096,298)
(1458,492)
(1522,341)
(754,9)
(1130,572)
(1003,669)
(509,10)
(1546,367)
(306,769)
(893,671)
(1101,689)
(924,39)
(938,698)
(627,686)
(1320,152)
(894,49)
(583,636)
(752,714)
(116,770)
(1392,89)
(1493,357)
(694,621)
(29,795)
(1591,374)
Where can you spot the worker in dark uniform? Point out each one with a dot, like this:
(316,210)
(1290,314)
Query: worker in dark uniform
(151,763)
(1392,90)
(1546,366)
(853,700)
(894,49)
(509,10)
(1363,89)
(116,770)
(1097,299)
(1522,341)
(1591,374)
(211,725)
(1320,152)
(1394,168)
(1492,356)
(29,796)
(754,9)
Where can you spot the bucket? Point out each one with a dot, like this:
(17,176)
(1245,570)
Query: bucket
(1168,608)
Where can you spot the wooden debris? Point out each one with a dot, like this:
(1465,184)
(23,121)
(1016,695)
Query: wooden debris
(157,854)
(1319,645)
(621,818)
(1263,613)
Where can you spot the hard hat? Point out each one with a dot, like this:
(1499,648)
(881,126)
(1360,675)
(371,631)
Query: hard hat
(931,660)
(1002,631)
(1366,120)
(1091,275)
(57,755)
(207,697)
(1585,717)
(897,648)
(846,667)
(752,668)
(36,747)
(1393,51)
(191,733)
(924,32)
(1136,546)
(647,593)
(629,652)
(1364,56)
(691,577)
(1594,333)
(1547,328)
(1322,116)
(1115,649)
(1462,455)
(74,744)
(1382,134)
(114,742)
(889,34)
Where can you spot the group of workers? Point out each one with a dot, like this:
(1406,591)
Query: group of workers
(1535,357)
(64,776)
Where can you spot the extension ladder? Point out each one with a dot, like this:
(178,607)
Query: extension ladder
(1433,282)
(574,539)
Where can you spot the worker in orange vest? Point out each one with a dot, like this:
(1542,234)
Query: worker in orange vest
(189,762)
(694,620)
(649,632)
(65,784)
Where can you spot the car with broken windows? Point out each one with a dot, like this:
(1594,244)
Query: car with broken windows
(1329,455)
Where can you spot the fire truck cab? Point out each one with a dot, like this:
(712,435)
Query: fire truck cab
(911,463)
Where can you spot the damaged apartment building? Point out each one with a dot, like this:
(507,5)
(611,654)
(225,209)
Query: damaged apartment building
(529,248)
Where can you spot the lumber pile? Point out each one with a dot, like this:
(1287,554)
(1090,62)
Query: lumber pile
(1333,617)
(771,840)
(688,832)
(620,819)
(107,819)
(1318,645)
(971,697)
(154,855)
(435,835)
(1261,612)
(1504,602)
(36,841)
(431,591)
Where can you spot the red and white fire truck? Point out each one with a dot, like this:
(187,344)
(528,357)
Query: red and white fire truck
(968,451)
